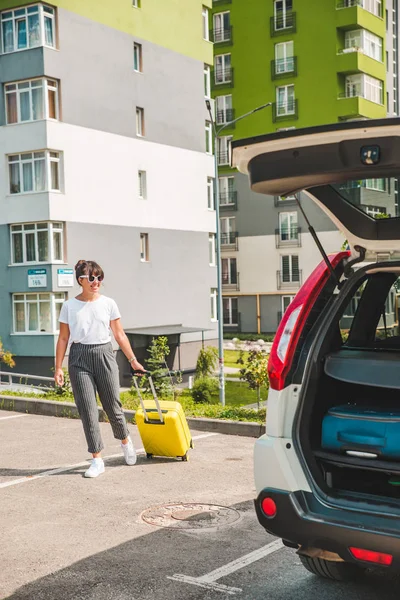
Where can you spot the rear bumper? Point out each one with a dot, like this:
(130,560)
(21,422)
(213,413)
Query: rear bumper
(303,520)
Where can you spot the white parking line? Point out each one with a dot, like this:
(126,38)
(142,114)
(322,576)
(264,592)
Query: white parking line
(13,417)
(208,581)
(81,464)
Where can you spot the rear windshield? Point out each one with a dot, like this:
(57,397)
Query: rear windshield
(378,198)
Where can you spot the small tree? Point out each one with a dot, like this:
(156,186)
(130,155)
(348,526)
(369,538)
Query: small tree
(255,373)
(157,365)
(207,362)
(6,357)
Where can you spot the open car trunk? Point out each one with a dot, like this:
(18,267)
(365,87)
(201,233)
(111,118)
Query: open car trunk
(349,362)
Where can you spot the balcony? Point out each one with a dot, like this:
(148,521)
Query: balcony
(288,281)
(284,67)
(224,158)
(222,36)
(229,241)
(230,283)
(225,116)
(221,77)
(284,24)
(355,106)
(353,60)
(228,200)
(285,111)
(288,238)
(232,320)
(218,2)
(356,13)
(283,202)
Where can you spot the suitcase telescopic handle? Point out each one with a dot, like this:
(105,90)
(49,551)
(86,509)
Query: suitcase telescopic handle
(153,391)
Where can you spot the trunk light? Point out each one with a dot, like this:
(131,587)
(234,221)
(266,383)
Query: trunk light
(293,321)
(269,507)
(378,558)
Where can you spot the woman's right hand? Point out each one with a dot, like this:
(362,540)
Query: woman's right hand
(59,377)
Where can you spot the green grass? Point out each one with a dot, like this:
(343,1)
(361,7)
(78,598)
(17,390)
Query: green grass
(231,357)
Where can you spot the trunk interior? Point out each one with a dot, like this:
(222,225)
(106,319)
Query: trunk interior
(357,369)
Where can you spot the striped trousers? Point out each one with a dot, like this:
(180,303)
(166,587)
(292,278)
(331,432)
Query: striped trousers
(92,367)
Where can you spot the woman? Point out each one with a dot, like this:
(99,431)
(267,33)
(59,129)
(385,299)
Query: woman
(85,322)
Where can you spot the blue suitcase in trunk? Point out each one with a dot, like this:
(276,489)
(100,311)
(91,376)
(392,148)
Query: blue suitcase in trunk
(364,432)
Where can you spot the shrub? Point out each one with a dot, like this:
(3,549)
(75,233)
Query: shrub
(250,337)
(203,389)
(207,362)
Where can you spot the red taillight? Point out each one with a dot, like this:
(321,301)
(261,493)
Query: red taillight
(290,328)
(378,558)
(268,507)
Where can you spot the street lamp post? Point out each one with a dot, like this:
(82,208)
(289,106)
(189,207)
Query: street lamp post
(216,133)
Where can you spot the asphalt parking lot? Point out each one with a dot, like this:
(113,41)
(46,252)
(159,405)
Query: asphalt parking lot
(162,529)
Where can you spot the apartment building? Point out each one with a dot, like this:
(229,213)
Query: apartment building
(103,137)
(317,63)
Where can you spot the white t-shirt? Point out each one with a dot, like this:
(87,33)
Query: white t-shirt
(89,322)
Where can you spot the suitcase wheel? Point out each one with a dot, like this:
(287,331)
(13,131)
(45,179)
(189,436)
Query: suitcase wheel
(185,458)
(191,444)
(149,455)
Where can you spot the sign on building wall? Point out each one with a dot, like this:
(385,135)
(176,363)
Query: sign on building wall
(65,277)
(37,278)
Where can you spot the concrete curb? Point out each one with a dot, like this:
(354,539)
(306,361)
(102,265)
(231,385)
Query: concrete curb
(52,408)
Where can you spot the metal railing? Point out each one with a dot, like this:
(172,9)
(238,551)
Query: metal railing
(228,240)
(288,280)
(285,23)
(230,281)
(222,35)
(224,158)
(7,379)
(288,236)
(284,110)
(228,200)
(224,116)
(222,77)
(288,201)
(284,67)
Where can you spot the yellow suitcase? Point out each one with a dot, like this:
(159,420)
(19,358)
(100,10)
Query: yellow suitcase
(162,426)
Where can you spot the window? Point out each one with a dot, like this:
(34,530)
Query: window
(285,104)
(283,14)
(213,298)
(286,300)
(229,271)
(142,184)
(224,109)
(31,100)
(209,143)
(223,70)
(375,211)
(284,61)
(28,27)
(364,86)
(224,149)
(290,269)
(136,3)
(139,121)
(364,40)
(210,193)
(288,229)
(37,242)
(226,190)
(211,249)
(34,172)
(137,58)
(206,34)
(144,247)
(230,307)
(378,185)
(373,6)
(207,81)
(228,230)
(37,313)
(222,27)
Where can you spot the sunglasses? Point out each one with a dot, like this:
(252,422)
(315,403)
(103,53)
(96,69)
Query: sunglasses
(92,278)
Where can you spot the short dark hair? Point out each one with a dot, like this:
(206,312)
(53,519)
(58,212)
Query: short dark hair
(88,267)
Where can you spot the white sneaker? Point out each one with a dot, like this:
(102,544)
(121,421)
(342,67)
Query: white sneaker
(129,452)
(96,468)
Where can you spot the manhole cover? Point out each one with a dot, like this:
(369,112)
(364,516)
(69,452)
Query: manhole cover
(190,516)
